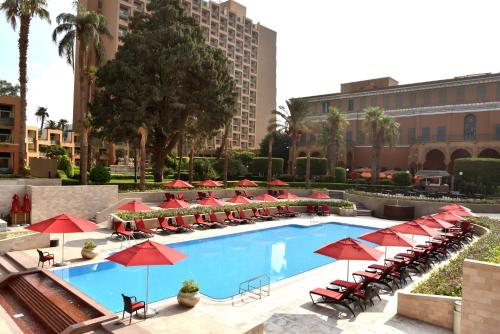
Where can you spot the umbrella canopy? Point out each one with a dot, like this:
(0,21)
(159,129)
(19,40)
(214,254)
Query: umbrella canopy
(210,183)
(319,196)
(462,213)
(288,196)
(363,169)
(14,207)
(414,228)
(387,237)
(26,203)
(178,184)
(134,206)
(265,197)
(366,175)
(239,199)
(210,201)
(246,183)
(277,183)
(448,216)
(174,204)
(349,249)
(433,222)
(451,206)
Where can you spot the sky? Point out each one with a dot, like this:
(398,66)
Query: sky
(321,44)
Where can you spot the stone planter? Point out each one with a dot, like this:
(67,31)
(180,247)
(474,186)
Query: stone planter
(347,212)
(188,299)
(88,253)
(335,210)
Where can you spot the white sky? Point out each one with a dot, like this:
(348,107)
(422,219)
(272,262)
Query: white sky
(321,43)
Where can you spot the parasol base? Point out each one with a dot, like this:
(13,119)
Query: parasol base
(61,264)
(151,312)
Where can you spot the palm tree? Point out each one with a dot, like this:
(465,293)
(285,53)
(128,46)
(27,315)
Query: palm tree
(62,124)
(50,124)
(24,11)
(143,132)
(41,114)
(383,130)
(293,123)
(331,136)
(86,29)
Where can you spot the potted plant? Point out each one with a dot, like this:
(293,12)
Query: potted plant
(347,209)
(88,250)
(189,294)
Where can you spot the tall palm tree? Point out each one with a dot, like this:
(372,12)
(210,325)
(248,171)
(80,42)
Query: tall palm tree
(23,11)
(41,114)
(50,124)
(143,132)
(292,121)
(62,124)
(331,136)
(86,29)
(383,130)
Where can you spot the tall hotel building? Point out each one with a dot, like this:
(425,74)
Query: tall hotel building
(250,48)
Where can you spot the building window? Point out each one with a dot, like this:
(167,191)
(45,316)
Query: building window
(302,140)
(460,94)
(349,137)
(428,98)
(373,101)
(361,137)
(413,99)
(411,136)
(441,135)
(362,103)
(470,127)
(481,92)
(442,96)
(426,134)
(386,101)
(497,132)
(399,100)
(326,106)
(350,105)
(498,90)
(312,139)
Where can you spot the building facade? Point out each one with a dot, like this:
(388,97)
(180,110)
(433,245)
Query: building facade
(440,121)
(250,48)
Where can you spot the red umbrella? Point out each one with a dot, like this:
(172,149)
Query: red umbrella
(178,184)
(462,213)
(14,208)
(174,204)
(414,228)
(349,249)
(288,196)
(134,206)
(449,217)
(26,205)
(387,237)
(433,222)
(63,224)
(246,183)
(265,197)
(210,201)
(210,183)
(451,206)
(147,253)
(239,199)
(277,183)
(317,195)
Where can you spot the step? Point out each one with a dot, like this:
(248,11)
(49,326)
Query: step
(7,266)
(22,260)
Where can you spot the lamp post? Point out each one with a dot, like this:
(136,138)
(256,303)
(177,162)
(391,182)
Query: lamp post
(460,179)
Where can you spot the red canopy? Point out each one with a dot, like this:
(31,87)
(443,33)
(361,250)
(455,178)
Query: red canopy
(134,206)
(433,222)
(317,195)
(147,253)
(239,199)
(210,183)
(174,204)
(210,201)
(277,183)
(462,213)
(388,237)
(246,183)
(26,203)
(63,224)
(178,184)
(414,228)
(288,196)
(450,206)
(448,216)
(265,197)
(14,208)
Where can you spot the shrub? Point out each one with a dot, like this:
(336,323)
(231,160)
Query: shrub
(190,286)
(89,244)
(401,179)
(318,166)
(245,156)
(65,165)
(55,151)
(167,171)
(480,175)
(340,175)
(202,169)
(259,166)
(99,175)
(386,182)
(236,168)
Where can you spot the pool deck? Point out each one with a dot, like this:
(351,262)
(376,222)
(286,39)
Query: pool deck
(288,309)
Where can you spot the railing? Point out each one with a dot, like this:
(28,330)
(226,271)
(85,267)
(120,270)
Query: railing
(6,139)
(457,138)
(254,287)
(6,121)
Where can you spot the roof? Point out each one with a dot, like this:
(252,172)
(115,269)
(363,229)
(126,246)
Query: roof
(432,173)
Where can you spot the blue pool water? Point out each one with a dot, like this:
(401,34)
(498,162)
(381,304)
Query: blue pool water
(219,264)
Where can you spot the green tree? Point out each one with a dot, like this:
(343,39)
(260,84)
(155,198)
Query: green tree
(281,145)
(7,89)
(62,124)
(383,130)
(331,136)
(23,11)
(41,114)
(50,124)
(165,77)
(86,29)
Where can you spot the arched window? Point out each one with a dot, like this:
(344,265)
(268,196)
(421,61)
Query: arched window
(470,127)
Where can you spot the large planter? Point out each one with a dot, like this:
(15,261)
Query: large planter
(88,253)
(347,212)
(188,299)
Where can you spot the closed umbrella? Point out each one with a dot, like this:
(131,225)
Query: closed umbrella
(210,201)
(63,224)
(14,207)
(178,184)
(349,249)
(387,237)
(210,183)
(246,183)
(134,206)
(288,196)
(147,253)
(174,204)
(266,197)
(26,206)
(277,183)
(239,199)
(317,195)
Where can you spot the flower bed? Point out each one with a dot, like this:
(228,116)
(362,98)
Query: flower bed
(426,199)
(447,280)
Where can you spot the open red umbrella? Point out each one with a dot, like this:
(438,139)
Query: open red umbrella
(26,205)
(210,183)
(14,207)
(288,196)
(462,213)
(387,237)
(174,204)
(147,253)
(414,228)
(450,206)
(449,217)
(349,249)
(246,183)
(265,197)
(178,184)
(135,206)
(317,195)
(433,222)
(63,224)
(277,183)
(210,201)
(239,199)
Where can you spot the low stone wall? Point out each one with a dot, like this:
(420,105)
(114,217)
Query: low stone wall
(25,242)
(436,310)
(480,298)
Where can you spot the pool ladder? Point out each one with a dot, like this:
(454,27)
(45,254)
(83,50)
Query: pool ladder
(255,288)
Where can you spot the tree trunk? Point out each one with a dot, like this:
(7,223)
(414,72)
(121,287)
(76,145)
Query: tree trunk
(333,159)
(84,140)
(144,137)
(41,125)
(375,163)
(23,81)
(135,164)
(270,159)
(84,149)
(226,161)
(308,169)
(191,163)
(160,151)
(294,158)
(180,154)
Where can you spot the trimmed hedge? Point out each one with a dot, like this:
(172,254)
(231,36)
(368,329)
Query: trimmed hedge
(318,166)
(401,178)
(480,175)
(259,166)
(99,175)
(340,175)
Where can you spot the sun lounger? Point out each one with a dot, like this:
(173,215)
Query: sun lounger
(362,291)
(267,212)
(214,219)
(120,231)
(231,218)
(257,215)
(311,210)
(325,210)
(334,297)
(179,220)
(141,227)
(200,222)
(165,226)
(242,215)
(180,197)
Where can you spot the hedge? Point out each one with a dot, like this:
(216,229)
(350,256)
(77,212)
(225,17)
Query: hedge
(340,175)
(259,166)
(318,166)
(401,178)
(479,175)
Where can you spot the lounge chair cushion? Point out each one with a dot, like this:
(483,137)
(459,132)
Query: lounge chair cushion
(329,294)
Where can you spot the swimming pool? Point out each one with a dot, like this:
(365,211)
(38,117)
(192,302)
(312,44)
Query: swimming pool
(219,264)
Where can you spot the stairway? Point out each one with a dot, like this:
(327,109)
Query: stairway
(362,210)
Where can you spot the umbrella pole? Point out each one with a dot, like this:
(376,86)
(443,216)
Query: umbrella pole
(147,287)
(62,258)
(347,279)
(385,253)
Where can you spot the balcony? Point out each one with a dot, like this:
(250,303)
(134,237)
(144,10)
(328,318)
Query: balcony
(5,139)
(6,121)
(454,138)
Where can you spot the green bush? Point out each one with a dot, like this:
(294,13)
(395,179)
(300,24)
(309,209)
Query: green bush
(190,286)
(318,166)
(54,151)
(65,165)
(99,175)
(259,166)
(386,182)
(66,181)
(167,171)
(245,156)
(401,179)
(479,175)
(236,168)
(340,175)
(202,169)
